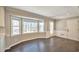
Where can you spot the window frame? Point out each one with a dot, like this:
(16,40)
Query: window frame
(11,26)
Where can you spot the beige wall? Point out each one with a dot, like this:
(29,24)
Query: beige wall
(2,15)
(2,29)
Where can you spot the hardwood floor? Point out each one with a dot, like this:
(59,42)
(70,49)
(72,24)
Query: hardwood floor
(54,44)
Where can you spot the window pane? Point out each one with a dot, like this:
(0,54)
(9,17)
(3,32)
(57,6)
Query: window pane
(33,27)
(41,26)
(51,27)
(15,28)
(25,26)
(15,23)
(29,26)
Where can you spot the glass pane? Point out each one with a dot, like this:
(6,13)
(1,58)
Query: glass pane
(51,27)
(25,26)
(15,23)
(41,26)
(15,30)
(33,27)
(29,26)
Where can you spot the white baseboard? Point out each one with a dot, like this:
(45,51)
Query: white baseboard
(14,44)
(19,43)
(68,38)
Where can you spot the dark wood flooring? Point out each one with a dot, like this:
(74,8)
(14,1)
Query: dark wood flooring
(55,44)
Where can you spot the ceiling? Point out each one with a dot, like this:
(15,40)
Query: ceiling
(58,12)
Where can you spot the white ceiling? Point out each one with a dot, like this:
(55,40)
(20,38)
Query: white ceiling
(58,12)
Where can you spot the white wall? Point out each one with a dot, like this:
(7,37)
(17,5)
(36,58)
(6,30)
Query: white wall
(68,28)
(61,28)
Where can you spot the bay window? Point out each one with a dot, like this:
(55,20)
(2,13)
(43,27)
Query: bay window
(21,25)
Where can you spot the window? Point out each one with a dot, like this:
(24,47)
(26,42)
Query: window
(41,26)
(15,25)
(29,26)
(21,25)
(51,27)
